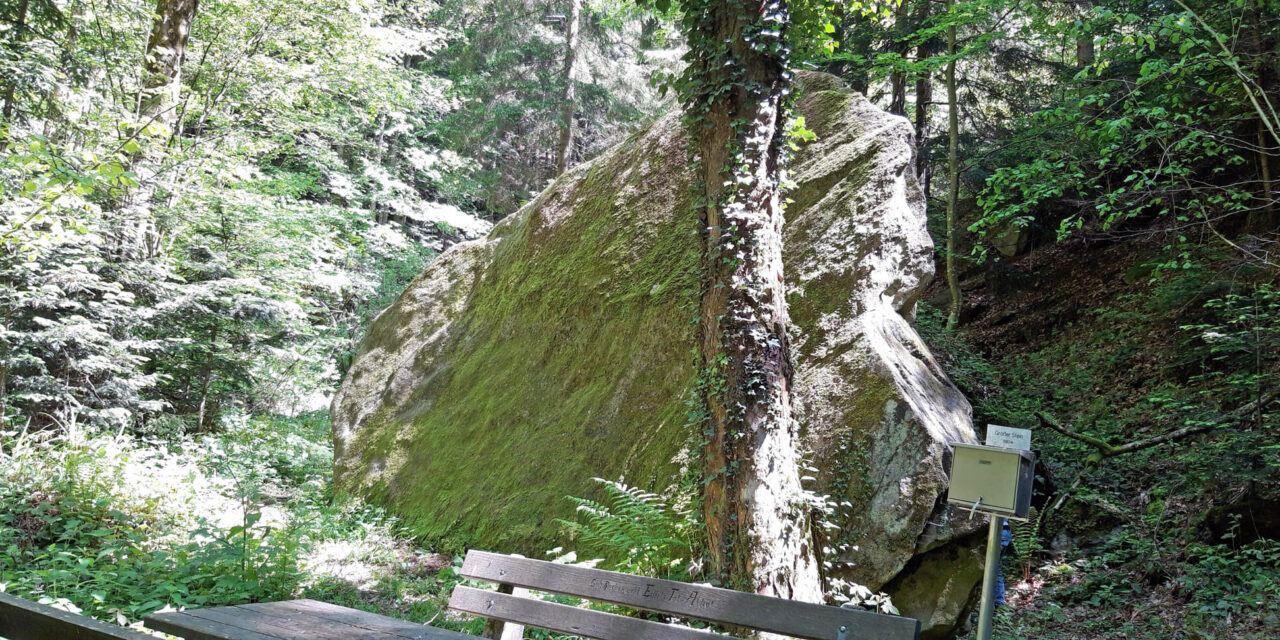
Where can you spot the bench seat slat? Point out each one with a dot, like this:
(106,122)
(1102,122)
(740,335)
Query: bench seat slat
(25,620)
(343,616)
(724,606)
(282,624)
(566,619)
(178,623)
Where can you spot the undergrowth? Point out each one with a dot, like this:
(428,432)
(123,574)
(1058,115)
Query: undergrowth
(115,526)
(1133,546)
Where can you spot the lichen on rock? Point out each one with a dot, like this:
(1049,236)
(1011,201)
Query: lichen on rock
(559,348)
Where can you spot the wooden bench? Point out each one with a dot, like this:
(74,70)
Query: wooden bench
(25,620)
(506,611)
(710,604)
(291,620)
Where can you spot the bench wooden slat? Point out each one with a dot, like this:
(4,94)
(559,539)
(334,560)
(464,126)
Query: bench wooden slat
(566,619)
(799,619)
(286,625)
(292,619)
(355,618)
(25,620)
(185,625)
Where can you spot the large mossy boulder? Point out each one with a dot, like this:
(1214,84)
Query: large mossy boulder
(560,348)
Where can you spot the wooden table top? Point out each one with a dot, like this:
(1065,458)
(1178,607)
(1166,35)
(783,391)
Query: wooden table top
(292,620)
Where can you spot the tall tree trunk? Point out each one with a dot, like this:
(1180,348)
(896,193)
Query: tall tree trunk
(567,105)
(924,99)
(753,505)
(1085,52)
(136,235)
(162,62)
(4,352)
(898,79)
(953,174)
(1264,220)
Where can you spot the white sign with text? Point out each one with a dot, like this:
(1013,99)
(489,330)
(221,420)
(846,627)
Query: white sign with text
(1008,437)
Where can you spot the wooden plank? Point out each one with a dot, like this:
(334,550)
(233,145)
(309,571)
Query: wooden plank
(184,625)
(724,606)
(565,619)
(358,618)
(493,627)
(286,626)
(25,620)
(292,619)
(513,631)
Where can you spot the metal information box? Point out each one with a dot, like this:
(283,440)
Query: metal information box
(992,480)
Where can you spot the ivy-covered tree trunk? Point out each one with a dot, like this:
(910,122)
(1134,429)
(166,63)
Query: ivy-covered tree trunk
(162,62)
(567,106)
(735,92)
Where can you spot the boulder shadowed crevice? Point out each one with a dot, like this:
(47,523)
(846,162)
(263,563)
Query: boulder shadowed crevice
(558,349)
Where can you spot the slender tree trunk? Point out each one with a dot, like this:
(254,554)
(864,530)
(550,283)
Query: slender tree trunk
(924,99)
(1267,217)
(1085,54)
(898,79)
(953,175)
(4,356)
(1084,50)
(1263,220)
(162,62)
(567,105)
(136,234)
(753,506)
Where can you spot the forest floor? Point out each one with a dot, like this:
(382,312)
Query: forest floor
(1176,541)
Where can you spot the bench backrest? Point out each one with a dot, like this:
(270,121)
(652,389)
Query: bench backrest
(712,604)
(25,620)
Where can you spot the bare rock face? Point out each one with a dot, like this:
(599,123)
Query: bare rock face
(559,348)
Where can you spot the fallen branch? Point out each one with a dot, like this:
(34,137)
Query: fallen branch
(1107,450)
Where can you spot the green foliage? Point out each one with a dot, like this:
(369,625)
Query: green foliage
(1159,125)
(637,531)
(117,527)
(1180,350)
(1025,540)
(1227,581)
(158,276)
(101,521)
(503,60)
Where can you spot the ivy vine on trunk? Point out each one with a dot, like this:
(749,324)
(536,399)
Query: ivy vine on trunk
(735,92)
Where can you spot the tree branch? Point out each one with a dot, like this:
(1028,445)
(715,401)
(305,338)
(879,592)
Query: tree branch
(1109,450)
(1053,423)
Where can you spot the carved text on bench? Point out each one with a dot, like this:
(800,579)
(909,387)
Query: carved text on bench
(689,596)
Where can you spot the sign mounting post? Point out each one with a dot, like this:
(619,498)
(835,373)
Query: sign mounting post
(994,479)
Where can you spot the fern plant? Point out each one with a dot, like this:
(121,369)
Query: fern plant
(636,531)
(1025,539)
